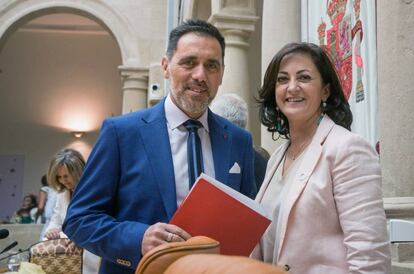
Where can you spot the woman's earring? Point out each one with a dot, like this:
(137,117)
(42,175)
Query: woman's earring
(324,106)
(278,120)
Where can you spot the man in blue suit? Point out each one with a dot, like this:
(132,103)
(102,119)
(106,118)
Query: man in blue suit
(137,173)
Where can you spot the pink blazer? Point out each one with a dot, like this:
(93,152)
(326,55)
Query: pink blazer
(334,221)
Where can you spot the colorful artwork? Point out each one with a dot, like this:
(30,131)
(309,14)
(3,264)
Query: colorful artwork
(346,30)
(357,35)
(338,40)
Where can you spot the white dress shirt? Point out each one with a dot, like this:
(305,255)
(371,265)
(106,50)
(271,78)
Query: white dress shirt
(178,141)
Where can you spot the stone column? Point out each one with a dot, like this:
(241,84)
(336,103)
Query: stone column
(236,21)
(134,88)
(396,96)
(395,38)
(281,25)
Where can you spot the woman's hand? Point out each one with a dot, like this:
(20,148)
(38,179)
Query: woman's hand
(71,245)
(53,233)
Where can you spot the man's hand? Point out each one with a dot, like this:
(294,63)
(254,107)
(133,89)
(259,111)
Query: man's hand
(160,233)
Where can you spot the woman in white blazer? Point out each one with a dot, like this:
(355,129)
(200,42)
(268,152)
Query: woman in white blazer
(65,170)
(323,186)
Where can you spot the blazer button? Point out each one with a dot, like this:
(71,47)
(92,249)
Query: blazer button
(286,267)
(123,262)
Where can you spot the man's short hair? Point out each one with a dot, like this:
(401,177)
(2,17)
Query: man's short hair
(232,107)
(198,27)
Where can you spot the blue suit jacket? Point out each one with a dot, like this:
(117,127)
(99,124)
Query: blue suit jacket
(128,183)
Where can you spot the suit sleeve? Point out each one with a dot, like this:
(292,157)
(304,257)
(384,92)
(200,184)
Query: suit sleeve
(91,220)
(358,196)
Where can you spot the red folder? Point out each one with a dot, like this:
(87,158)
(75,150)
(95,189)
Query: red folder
(215,210)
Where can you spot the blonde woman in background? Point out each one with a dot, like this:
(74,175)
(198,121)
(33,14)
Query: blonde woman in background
(65,170)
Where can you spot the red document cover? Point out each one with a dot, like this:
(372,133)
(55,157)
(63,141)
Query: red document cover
(217,211)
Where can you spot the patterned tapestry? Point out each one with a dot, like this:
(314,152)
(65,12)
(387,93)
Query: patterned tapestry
(346,30)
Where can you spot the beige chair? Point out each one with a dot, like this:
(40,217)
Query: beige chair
(158,259)
(220,264)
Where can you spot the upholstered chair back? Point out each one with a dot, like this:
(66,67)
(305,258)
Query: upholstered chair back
(220,264)
(158,259)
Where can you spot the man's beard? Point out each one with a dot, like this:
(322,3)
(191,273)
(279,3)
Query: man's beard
(191,106)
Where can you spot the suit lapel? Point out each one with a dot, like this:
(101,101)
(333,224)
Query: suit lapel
(157,146)
(221,140)
(306,168)
(279,153)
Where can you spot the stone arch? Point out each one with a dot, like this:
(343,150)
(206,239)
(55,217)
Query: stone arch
(16,13)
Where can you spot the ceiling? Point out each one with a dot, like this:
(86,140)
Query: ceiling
(63,22)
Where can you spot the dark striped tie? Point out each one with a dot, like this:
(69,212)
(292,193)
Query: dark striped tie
(194,153)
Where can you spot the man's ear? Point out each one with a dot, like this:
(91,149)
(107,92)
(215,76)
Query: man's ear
(164,64)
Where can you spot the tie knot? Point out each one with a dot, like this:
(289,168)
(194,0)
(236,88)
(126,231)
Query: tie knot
(192,125)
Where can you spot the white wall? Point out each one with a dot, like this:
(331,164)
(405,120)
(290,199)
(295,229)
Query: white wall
(50,84)
(255,62)
(281,22)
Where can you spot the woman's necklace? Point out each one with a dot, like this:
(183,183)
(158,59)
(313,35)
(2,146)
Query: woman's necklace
(292,155)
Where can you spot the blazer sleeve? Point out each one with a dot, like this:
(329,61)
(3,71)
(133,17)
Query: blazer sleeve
(358,195)
(56,220)
(59,213)
(94,205)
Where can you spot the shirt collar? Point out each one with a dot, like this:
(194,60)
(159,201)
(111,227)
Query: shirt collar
(176,117)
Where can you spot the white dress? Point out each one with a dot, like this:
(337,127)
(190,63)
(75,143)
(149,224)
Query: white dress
(276,192)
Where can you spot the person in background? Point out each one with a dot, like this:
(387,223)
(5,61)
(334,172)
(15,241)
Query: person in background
(65,170)
(235,109)
(27,213)
(324,183)
(47,202)
(261,157)
(63,175)
(137,173)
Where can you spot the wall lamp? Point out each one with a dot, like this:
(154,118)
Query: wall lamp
(78,134)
